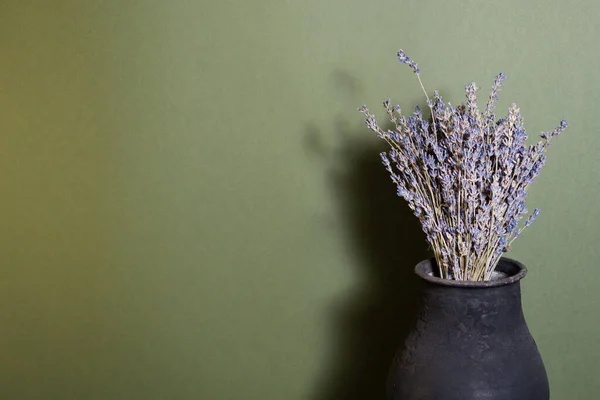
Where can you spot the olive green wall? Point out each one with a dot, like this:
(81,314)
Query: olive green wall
(191,207)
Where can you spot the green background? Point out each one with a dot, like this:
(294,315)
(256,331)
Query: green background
(191,207)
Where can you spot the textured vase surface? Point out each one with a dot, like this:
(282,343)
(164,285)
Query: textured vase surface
(470,342)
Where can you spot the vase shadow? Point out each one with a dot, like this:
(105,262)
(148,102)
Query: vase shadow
(386,241)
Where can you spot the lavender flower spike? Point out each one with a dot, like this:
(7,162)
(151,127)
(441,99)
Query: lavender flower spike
(403,58)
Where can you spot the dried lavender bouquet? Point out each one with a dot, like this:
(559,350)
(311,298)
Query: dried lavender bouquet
(464,174)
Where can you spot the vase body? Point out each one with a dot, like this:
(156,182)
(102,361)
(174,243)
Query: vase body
(470,342)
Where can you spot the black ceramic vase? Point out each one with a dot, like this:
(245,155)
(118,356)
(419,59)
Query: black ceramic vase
(470,342)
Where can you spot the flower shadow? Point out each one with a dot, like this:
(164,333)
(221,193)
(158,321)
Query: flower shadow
(386,241)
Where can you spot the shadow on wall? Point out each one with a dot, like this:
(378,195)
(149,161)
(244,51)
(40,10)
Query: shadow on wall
(387,242)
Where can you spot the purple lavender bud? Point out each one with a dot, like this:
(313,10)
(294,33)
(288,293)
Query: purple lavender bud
(403,58)
(560,128)
(471,89)
(532,218)
(384,159)
(414,66)
(417,113)
(372,124)
(499,79)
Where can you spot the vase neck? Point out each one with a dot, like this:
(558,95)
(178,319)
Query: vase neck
(491,303)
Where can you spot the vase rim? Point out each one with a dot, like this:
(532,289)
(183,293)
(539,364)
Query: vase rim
(514,269)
